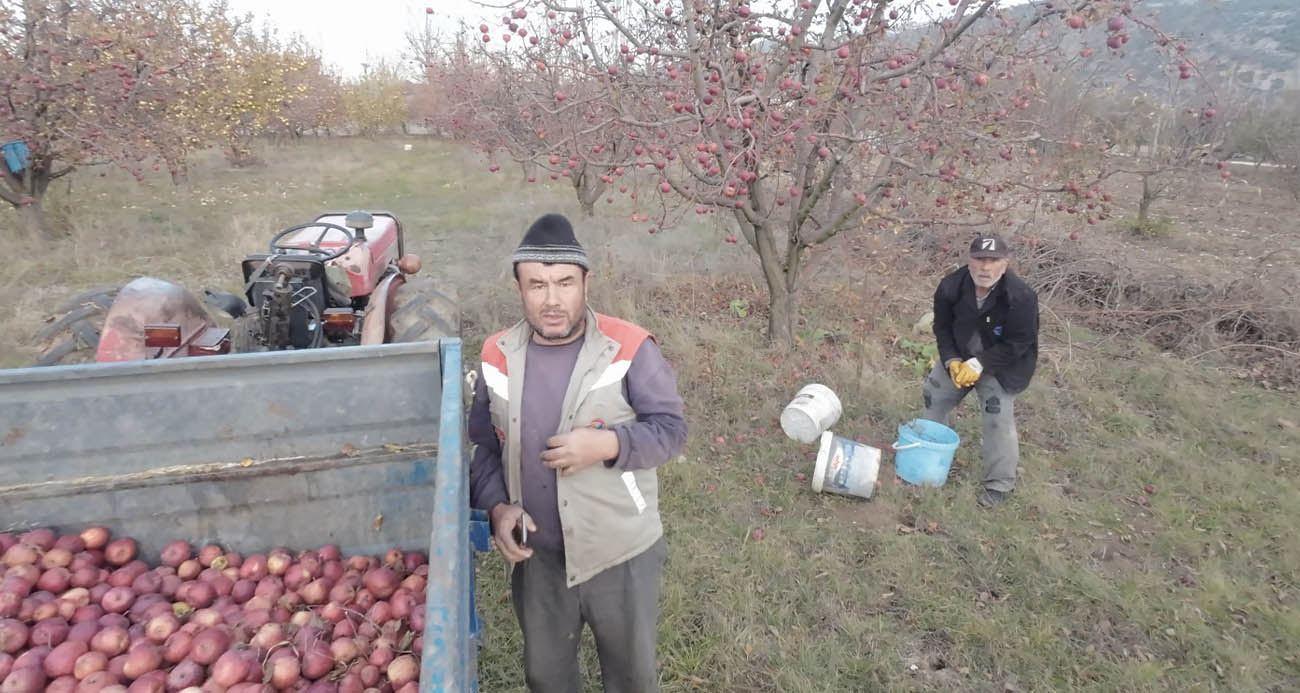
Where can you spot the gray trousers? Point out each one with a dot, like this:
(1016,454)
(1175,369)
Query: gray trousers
(1000,448)
(622,606)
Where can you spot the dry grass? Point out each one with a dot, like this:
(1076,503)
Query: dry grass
(1085,581)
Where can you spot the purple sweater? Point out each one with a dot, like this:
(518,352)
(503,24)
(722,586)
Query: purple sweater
(658,433)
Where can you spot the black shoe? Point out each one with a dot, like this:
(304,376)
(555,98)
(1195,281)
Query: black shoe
(989,498)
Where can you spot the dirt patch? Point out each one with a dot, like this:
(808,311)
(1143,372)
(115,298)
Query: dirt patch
(866,515)
(1116,558)
(878,512)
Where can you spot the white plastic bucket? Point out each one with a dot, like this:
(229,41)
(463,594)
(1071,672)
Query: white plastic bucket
(813,410)
(846,467)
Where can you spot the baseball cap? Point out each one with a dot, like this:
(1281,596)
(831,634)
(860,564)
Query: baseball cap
(989,245)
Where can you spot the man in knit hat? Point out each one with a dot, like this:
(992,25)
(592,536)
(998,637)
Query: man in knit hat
(572,413)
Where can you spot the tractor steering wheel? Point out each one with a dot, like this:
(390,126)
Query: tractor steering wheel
(324,254)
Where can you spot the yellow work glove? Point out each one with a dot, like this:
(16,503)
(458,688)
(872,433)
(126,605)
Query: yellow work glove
(968,372)
(954,368)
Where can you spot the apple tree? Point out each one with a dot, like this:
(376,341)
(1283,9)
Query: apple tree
(82,83)
(797,119)
(249,79)
(375,102)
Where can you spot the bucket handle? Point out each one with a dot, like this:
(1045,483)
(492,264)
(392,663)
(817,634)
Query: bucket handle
(898,447)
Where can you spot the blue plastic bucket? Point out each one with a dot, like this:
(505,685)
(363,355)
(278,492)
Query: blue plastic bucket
(15,156)
(923,453)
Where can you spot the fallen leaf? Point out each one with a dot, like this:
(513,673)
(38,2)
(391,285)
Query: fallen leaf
(349,450)
(932,528)
(246,462)
(379,521)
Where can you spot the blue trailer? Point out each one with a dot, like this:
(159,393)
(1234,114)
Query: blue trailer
(356,446)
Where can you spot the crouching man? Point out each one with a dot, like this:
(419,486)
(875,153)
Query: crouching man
(986,326)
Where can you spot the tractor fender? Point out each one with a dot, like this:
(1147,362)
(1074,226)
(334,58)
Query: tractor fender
(374,329)
(147,301)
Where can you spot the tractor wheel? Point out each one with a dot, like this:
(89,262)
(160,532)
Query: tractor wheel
(423,311)
(72,334)
(244,334)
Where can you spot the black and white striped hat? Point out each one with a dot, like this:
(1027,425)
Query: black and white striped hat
(550,239)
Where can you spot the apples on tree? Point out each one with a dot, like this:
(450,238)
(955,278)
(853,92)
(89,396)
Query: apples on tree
(816,119)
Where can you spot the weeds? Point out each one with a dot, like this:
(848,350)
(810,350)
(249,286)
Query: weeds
(1152,227)
(919,355)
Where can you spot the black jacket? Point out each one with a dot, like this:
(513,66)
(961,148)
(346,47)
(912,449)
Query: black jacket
(1008,326)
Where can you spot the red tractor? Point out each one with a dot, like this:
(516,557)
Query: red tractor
(343,279)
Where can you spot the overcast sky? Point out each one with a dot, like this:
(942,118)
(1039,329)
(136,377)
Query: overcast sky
(350,32)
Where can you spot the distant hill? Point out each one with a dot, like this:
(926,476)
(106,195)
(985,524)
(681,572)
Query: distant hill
(1251,43)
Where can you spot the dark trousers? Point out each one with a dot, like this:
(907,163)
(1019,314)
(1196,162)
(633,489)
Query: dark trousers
(622,606)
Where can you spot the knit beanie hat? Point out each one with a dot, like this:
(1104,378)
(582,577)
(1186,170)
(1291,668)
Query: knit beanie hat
(550,239)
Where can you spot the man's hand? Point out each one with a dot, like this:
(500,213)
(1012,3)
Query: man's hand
(954,370)
(505,517)
(968,372)
(578,449)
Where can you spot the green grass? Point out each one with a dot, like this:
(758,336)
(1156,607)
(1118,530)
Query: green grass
(1083,581)
(1151,227)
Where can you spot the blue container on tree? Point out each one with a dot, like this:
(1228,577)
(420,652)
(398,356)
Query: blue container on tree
(16,154)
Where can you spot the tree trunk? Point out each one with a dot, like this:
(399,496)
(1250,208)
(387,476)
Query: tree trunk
(34,221)
(588,189)
(1148,196)
(784,310)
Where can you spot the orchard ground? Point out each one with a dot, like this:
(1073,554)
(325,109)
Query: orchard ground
(1149,546)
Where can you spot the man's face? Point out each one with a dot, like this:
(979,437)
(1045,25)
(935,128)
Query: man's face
(555,300)
(986,271)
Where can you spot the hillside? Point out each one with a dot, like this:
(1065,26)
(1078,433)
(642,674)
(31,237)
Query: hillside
(1254,43)
(1247,44)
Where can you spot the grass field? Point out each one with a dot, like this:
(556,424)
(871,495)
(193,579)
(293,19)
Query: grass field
(1148,546)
